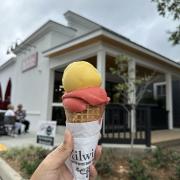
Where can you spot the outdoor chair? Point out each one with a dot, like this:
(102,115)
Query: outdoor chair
(2,126)
(9,123)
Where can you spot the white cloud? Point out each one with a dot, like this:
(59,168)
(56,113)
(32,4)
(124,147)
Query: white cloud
(137,20)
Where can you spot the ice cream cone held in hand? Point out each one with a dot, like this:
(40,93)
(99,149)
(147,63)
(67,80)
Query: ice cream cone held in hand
(84,102)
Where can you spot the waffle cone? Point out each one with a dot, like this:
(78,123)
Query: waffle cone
(92,113)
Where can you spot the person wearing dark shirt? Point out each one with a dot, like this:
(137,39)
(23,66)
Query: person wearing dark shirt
(21,117)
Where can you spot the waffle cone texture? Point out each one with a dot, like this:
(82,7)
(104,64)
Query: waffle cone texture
(92,113)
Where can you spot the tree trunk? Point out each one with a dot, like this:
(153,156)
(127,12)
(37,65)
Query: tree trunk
(133,126)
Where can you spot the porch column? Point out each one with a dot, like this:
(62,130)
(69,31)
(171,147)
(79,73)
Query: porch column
(169,105)
(101,66)
(132,92)
(50,94)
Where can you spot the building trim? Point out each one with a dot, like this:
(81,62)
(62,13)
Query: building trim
(72,42)
(46,27)
(8,63)
(155,85)
(109,38)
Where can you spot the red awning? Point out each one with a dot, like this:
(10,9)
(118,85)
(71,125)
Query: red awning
(7,98)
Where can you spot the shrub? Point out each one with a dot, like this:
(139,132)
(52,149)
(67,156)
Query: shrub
(13,153)
(104,164)
(161,158)
(29,158)
(137,170)
(178,172)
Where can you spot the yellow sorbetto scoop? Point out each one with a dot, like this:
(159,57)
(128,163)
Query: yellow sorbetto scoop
(79,75)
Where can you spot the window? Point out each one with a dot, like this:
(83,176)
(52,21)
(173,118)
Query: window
(159,90)
(58,90)
(58,115)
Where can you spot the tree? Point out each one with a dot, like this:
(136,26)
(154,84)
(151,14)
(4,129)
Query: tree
(170,8)
(131,88)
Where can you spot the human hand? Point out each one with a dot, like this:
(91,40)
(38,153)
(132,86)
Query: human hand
(53,166)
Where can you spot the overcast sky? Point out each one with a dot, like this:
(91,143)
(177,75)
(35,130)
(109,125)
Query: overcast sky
(138,20)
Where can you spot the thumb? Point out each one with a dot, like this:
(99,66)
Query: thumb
(63,151)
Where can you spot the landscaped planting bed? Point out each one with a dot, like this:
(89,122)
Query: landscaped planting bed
(161,164)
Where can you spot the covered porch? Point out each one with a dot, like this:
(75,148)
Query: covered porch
(101,52)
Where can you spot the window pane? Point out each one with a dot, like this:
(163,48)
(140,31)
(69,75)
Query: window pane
(163,90)
(58,90)
(58,115)
(159,90)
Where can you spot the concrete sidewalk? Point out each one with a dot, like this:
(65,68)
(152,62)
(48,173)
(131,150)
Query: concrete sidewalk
(25,140)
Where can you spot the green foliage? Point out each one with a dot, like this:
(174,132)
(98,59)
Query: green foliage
(29,158)
(170,8)
(175,157)
(137,170)
(29,166)
(124,87)
(104,165)
(13,153)
(161,158)
(178,171)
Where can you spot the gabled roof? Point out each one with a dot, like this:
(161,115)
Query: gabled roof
(45,28)
(72,16)
(103,32)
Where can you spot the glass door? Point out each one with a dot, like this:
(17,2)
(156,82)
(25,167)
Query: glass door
(58,113)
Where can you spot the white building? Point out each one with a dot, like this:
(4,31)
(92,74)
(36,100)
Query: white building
(36,71)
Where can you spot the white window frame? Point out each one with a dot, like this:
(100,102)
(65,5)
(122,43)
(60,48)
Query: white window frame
(155,85)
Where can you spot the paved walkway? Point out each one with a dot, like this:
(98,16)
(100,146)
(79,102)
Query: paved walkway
(24,140)
(165,135)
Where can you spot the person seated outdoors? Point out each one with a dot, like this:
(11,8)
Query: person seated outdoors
(21,117)
(9,120)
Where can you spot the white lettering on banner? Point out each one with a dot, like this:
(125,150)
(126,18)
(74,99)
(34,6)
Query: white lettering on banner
(30,62)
